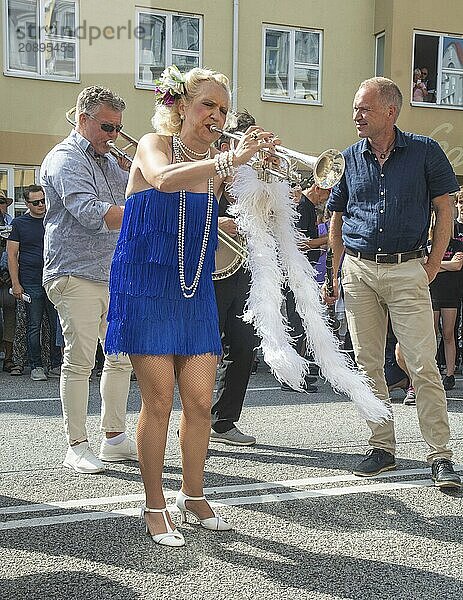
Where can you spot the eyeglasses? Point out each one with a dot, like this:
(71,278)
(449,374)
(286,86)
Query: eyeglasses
(2,201)
(107,127)
(36,202)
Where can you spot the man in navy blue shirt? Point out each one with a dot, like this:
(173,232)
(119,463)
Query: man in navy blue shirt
(381,214)
(25,262)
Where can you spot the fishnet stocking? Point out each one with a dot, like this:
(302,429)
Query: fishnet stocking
(156,378)
(196,378)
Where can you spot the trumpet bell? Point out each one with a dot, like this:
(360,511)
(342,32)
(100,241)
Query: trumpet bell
(329,168)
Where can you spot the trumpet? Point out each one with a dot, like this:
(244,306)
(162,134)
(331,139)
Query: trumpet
(230,253)
(115,150)
(327,169)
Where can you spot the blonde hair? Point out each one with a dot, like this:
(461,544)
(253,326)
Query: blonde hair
(166,119)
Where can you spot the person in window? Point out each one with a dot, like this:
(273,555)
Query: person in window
(419,88)
(430,85)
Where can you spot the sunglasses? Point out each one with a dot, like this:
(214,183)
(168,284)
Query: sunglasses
(36,202)
(107,127)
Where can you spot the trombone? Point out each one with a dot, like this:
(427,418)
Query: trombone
(327,169)
(115,150)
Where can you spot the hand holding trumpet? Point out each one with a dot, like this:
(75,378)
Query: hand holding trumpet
(253,141)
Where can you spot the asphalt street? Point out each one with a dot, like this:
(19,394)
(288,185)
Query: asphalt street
(305,527)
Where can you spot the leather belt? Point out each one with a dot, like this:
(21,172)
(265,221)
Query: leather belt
(390,259)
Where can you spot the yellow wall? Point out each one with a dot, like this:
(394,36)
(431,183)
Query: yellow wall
(443,124)
(32,111)
(36,107)
(400,19)
(347,60)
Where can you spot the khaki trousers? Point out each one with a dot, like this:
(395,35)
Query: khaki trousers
(371,291)
(82,307)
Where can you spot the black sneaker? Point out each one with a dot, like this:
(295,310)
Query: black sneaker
(376,461)
(443,475)
(448,382)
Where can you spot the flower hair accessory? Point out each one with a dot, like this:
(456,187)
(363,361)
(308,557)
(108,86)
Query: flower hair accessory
(170,86)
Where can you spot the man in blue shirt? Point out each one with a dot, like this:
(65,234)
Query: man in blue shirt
(25,262)
(381,214)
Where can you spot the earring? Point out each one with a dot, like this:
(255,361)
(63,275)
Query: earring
(182,117)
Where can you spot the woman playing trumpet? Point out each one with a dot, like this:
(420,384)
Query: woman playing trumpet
(163,311)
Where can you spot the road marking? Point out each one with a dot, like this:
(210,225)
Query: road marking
(233,501)
(20,400)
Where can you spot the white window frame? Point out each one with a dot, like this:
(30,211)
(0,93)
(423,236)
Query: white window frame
(19,205)
(169,50)
(43,39)
(291,99)
(379,36)
(436,104)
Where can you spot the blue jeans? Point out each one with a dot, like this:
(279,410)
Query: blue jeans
(35,310)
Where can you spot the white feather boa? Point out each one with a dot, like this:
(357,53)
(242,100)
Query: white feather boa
(266,216)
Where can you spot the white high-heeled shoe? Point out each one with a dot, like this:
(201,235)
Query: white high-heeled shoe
(215,523)
(172,537)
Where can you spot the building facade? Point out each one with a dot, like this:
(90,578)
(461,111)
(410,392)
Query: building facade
(294,65)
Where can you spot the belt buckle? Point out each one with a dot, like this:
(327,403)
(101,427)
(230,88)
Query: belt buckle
(378,258)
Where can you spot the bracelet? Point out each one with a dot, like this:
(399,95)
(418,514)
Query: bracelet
(223,162)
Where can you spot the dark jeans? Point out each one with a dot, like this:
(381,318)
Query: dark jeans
(297,331)
(35,310)
(239,341)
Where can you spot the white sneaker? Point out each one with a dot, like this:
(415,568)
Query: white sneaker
(81,458)
(126,450)
(38,374)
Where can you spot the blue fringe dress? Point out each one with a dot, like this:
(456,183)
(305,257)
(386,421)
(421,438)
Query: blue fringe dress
(148,313)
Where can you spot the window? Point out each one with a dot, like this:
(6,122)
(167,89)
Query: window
(165,39)
(292,65)
(440,61)
(379,55)
(13,180)
(41,39)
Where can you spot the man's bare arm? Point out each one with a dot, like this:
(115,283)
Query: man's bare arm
(441,235)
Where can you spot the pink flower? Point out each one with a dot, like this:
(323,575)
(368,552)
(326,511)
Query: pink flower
(168,99)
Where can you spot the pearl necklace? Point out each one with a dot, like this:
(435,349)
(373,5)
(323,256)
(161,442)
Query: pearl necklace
(189,291)
(187,150)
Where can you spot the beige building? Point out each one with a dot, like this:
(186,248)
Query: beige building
(295,65)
